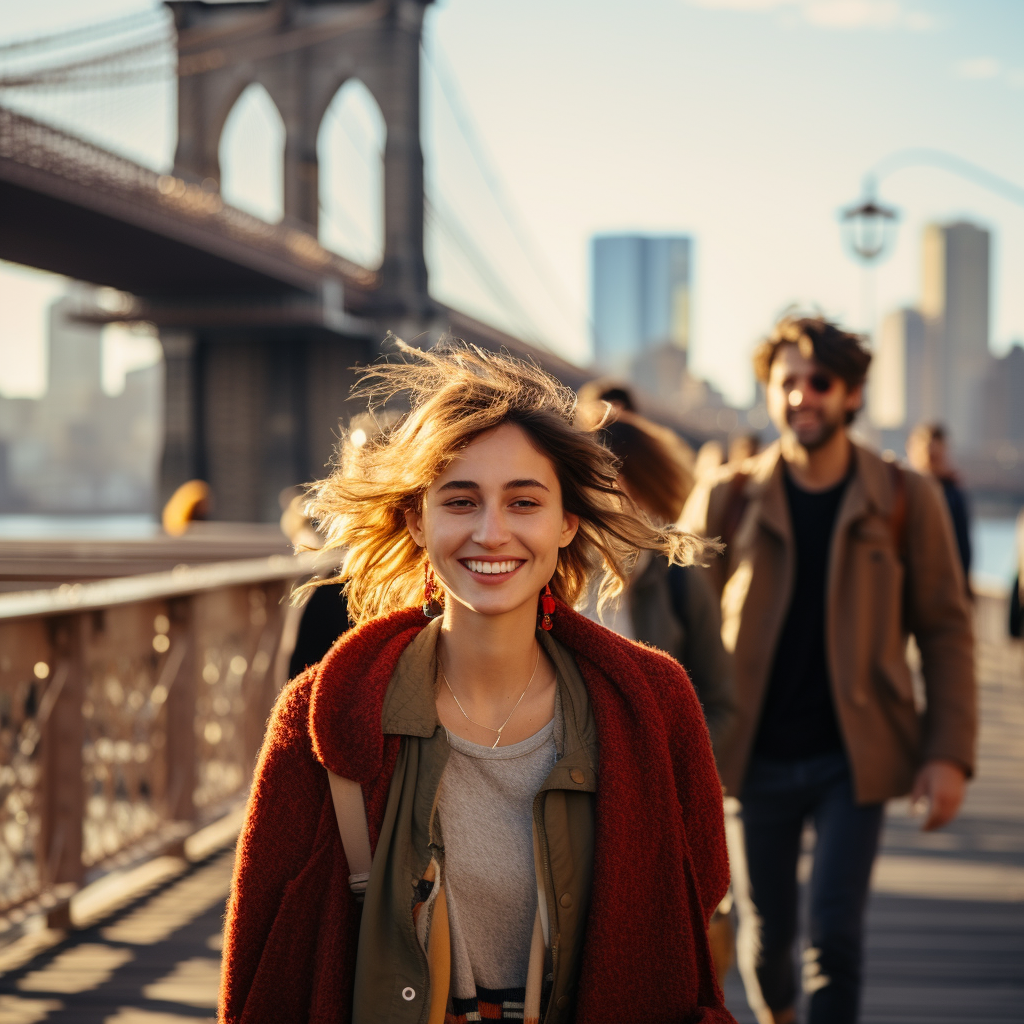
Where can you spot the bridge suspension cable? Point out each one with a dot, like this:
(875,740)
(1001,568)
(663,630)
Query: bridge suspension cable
(83,33)
(439,215)
(542,269)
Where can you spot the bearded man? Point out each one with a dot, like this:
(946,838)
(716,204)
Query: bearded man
(833,558)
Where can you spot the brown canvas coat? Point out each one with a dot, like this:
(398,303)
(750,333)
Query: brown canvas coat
(877,595)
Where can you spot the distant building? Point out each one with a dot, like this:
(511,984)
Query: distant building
(955,296)
(77,449)
(904,389)
(1001,410)
(933,363)
(640,299)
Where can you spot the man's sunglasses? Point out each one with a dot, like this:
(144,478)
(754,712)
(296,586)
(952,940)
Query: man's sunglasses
(821,383)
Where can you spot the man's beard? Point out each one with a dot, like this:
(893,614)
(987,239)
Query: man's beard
(821,436)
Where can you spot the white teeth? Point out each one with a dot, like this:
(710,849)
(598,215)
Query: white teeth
(490,568)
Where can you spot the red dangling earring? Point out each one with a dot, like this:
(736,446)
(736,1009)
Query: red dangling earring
(546,614)
(433,596)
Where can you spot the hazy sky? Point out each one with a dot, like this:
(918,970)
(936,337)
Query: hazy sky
(747,123)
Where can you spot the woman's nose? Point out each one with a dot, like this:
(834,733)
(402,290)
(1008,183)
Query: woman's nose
(490,527)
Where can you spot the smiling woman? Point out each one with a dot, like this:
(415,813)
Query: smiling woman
(499,740)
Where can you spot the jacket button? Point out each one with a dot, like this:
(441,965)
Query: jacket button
(565,899)
(408,994)
(562,1002)
(577,776)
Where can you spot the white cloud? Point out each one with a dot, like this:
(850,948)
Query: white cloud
(835,14)
(743,5)
(976,68)
(853,13)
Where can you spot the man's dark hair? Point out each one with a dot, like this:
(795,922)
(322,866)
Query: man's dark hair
(842,353)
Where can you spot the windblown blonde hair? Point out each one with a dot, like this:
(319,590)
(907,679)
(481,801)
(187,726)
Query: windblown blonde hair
(455,392)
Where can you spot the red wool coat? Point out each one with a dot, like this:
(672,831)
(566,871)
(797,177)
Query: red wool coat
(660,865)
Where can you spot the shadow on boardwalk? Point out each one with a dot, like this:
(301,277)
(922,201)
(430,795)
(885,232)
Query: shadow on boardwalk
(946,916)
(946,919)
(156,962)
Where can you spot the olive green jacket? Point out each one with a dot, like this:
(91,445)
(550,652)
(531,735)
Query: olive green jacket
(410,852)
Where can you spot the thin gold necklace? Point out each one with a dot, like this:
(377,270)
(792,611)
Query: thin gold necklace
(479,725)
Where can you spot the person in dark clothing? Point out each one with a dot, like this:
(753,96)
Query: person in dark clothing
(928,453)
(833,556)
(673,608)
(1017,591)
(324,619)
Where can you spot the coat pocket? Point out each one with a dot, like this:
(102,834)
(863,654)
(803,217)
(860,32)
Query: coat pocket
(894,678)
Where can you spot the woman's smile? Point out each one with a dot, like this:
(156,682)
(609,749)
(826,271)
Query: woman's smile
(491,570)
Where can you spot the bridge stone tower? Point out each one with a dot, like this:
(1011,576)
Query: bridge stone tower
(302,52)
(257,380)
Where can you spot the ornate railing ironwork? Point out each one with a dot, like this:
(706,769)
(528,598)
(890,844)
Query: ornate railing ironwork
(131,713)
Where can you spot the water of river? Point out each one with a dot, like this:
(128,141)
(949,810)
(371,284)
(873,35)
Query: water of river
(992,539)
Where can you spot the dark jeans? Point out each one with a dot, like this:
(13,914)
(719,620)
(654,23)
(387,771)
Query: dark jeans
(778,797)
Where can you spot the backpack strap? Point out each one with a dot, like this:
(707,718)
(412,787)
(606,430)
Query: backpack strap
(355,833)
(898,518)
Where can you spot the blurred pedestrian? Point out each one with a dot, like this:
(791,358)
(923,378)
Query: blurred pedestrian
(1017,593)
(607,389)
(928,453)
(324,616)
(671,607)
(743,447)
(542,792)
(832,557)
(190,503)
(710,458)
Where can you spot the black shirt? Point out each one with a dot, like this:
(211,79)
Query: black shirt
(324,619)
(957,503)
(798,719)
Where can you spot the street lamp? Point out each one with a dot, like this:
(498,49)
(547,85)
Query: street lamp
(869,227)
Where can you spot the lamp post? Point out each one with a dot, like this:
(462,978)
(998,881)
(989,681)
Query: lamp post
(869,229)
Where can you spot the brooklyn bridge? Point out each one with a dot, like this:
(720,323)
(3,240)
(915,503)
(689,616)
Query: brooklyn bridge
(136,677)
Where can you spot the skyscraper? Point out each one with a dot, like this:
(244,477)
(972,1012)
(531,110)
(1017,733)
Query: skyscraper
(955,307)
(640,297)
(904,386)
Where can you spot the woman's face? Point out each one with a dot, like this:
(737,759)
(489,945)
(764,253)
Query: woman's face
(492,523)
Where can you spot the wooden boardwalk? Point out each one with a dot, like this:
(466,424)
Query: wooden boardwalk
(946,922)
(946,917)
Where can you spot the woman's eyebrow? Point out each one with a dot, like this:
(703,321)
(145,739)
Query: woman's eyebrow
(472,485)
(514,485)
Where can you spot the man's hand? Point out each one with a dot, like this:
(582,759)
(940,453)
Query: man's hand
(942,784)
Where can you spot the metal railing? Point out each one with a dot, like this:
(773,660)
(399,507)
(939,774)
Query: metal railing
(26,141)
(131,713)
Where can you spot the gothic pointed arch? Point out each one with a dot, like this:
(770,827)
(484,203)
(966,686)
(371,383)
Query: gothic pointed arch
(350,150)
(251,155)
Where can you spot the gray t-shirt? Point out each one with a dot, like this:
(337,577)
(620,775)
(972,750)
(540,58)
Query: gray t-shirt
(486,808)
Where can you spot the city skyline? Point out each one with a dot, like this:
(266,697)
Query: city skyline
(707,125)
(640,296)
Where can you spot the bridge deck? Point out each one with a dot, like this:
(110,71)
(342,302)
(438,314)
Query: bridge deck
(946,919)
